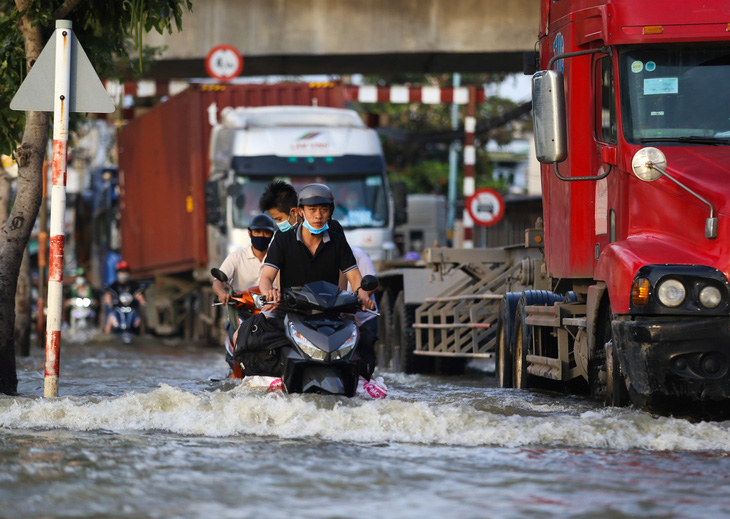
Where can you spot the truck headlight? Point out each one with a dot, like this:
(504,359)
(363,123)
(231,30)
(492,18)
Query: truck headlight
(306,345)
(671,293)
(347,346)
(710,297)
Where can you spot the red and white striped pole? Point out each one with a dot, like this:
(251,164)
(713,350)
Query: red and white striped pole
(61,106)
(470,123)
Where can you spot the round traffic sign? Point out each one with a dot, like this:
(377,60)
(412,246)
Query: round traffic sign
(223,62)
(485,206)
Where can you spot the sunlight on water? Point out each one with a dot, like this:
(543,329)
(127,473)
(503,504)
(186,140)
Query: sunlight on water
(491,417)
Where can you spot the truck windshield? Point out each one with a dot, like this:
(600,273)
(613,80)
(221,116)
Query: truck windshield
(360,200)
(676,94)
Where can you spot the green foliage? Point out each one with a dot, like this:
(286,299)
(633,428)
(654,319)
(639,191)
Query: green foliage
(12,70)
(108,30)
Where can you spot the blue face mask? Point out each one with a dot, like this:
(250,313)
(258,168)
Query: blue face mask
(284,226)
(313,230)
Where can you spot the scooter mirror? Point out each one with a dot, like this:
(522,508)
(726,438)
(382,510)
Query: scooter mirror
(369,283)
(219,275)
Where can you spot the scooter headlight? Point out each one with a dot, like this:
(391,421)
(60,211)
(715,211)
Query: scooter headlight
(347,346)
(306,345)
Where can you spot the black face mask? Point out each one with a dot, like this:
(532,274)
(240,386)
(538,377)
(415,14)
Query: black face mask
(260,243)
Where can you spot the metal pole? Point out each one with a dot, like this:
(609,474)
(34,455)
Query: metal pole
(470,124)
(61,105)
(453,162)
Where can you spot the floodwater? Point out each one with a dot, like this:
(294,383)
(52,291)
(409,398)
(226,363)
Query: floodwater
(146,431)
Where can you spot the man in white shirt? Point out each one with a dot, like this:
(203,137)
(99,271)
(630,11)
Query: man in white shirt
(243,267)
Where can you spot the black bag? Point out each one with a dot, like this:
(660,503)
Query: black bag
(258,346)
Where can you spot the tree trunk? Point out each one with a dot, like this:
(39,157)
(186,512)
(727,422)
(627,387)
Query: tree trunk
(23,308)
(16,231)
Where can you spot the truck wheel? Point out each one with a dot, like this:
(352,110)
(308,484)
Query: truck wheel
(505,331)
(617,394)
(404,339)
(384,347)
(522,345)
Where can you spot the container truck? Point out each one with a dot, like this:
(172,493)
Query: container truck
(192,169)
(624,293)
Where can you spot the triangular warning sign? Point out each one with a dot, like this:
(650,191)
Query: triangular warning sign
(87,93)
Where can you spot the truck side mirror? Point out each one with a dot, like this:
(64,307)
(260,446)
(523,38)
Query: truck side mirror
(213,214)
(529,63)
(548,112)
(400,199)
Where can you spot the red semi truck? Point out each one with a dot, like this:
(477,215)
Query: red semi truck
(632,127)
(624,292)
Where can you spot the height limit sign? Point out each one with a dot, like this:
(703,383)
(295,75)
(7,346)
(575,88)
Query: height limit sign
(223,63)
(485,206)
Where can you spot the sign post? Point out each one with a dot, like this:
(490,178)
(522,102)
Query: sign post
(62,78)
(485,206)
(223,63)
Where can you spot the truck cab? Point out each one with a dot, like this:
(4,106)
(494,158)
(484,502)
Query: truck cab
(250,147)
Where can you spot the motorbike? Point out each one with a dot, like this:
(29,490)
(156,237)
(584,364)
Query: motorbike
(126,317)
(82,315)
(311,342)
(240,307)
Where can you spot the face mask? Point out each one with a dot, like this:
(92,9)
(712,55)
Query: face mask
(284,226)
(311,229)
(260,243)
(123,277)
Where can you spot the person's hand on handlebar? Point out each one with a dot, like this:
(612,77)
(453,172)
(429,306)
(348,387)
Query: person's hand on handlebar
(273,297)
(220,290)
(365,300)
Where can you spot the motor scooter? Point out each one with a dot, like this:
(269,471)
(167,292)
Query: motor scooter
(126,319)
(82,315)
(241,306)
(316,346)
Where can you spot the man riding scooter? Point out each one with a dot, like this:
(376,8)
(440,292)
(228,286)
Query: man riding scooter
(123,285)
(312,251)
(243,269)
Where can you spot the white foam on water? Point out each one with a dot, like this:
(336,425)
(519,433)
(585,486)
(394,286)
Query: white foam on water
(252,411)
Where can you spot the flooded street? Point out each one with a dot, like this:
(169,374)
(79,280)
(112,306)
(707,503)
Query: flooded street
(147,431)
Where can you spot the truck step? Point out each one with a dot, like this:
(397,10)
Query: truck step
(464,297)
(541,315)
(545,367)
(449,326)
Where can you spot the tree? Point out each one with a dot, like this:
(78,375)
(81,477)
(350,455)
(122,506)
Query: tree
(106,30)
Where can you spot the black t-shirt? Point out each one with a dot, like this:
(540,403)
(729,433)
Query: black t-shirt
(296,264)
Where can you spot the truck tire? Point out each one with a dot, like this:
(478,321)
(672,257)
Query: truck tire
(403,339)
(503,365)
(523,333)
(383,347)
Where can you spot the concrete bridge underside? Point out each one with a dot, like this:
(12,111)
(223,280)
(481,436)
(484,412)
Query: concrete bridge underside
(294,37)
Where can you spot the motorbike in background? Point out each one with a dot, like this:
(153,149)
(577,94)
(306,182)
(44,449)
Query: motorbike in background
(126,319)
(82,315)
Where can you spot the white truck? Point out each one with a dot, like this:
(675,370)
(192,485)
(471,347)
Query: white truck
(250,147)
